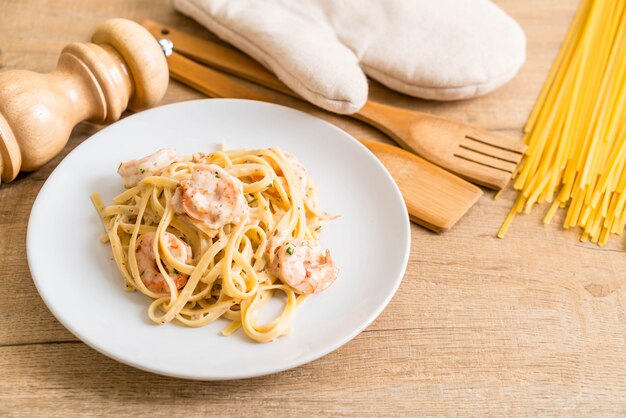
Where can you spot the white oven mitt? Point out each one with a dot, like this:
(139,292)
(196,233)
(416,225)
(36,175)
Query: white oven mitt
(434,49)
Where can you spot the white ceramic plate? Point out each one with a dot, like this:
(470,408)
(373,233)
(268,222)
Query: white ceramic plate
(77,279)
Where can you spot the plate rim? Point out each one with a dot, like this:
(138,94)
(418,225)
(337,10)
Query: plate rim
(298,361)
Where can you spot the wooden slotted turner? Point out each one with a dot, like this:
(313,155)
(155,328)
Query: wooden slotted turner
(435,198)
(483,157)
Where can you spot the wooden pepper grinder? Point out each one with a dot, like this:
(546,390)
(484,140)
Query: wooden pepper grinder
(123,68)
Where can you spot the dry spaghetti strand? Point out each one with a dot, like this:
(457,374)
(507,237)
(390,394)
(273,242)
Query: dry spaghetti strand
(576,133)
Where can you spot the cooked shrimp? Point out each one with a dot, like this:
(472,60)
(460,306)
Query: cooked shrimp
(213,196)
(177,201)
(277,239)
(299,170)
(306,185)
(133,171)
(305,266)
(148,270)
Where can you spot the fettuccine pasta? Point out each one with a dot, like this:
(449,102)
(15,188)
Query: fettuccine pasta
(219,235)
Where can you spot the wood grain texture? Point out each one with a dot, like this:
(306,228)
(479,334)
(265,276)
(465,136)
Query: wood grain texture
(534,324)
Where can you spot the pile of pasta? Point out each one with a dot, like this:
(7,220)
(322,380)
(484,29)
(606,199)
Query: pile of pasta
(224,272)
(576,134)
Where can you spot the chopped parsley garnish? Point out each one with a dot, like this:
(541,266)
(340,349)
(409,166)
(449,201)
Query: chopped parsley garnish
(141,170)
(290,250)
(217,176)
(175,271)
(271,184)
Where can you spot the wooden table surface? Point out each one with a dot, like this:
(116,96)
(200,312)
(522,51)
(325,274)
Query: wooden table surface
(534,324)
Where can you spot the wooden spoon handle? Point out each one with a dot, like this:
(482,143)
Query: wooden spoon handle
(208,81)
(435,198)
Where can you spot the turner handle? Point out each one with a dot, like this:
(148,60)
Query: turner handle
(208,81)
(392,121)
